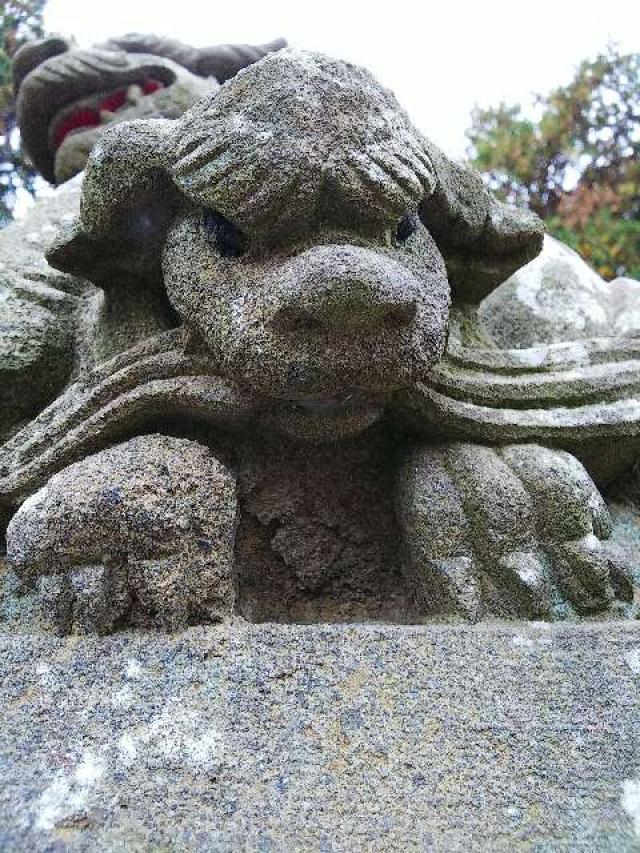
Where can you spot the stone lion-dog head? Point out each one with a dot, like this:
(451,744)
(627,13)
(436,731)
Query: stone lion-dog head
(303,229)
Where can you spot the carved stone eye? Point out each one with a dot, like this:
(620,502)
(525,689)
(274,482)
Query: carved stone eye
(407,226)
(228,238)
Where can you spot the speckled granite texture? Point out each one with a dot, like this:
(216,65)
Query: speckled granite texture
(314,738)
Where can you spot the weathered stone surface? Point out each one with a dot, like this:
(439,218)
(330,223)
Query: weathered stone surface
(323,738)
(482,240)
(362,302)
(66,96)
(36,347)
(318,539)
(558,297)
(141,533)
(280,403)
(54,326)
(625,305)
(361,148)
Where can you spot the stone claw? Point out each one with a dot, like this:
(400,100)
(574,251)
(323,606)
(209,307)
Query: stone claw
(88,600)
(582,572)
(450,585)
(619,571)
(530,523)
(140,515)
(162,591)
(56,603)
(524,577)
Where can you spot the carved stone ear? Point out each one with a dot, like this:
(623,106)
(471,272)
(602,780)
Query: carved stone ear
(127,203)
(482,240)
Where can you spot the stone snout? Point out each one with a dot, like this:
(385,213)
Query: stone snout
(334,320)
(345,291)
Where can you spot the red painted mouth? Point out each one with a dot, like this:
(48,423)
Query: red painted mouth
(86,117)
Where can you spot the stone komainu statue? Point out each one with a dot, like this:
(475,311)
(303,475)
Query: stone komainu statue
(66,96)
(316,424)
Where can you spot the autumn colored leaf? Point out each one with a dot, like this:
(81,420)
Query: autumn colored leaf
(578,165)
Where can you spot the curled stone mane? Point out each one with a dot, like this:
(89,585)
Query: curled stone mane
(221,61)
(295,143)
(276,150)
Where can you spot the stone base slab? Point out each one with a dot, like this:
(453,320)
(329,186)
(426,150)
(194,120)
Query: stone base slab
(323,738)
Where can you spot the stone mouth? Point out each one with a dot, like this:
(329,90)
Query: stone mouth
(99,109)
(322,418)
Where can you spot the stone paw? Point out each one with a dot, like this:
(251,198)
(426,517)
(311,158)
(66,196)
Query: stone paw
(518,531)
(139,534)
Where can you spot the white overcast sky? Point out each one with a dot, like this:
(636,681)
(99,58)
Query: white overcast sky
(441,58)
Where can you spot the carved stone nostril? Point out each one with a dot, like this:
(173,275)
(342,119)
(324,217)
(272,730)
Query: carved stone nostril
(372,315)
(292,319)
(400,315)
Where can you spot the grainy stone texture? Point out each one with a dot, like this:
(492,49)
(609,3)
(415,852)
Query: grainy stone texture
(40,311)
(285,323)
(53,326)
(317,539)
(515,530)
(290,738)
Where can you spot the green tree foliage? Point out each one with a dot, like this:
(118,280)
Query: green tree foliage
(576,162)
(19,21)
